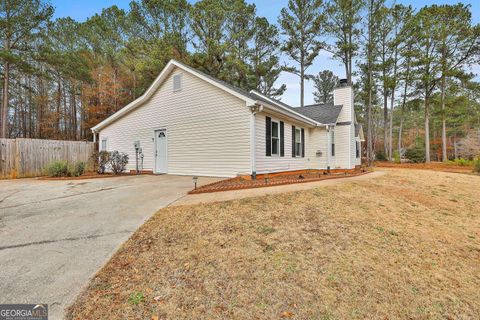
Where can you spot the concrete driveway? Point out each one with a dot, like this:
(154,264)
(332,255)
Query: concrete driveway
(54,235)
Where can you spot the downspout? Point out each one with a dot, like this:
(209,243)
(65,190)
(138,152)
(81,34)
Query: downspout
(94,136)
(328,147)
(256,108)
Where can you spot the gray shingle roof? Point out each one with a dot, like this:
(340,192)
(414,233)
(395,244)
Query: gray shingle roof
(323,113)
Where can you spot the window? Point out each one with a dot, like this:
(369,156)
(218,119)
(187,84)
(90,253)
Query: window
(358,149)
(104,145)
(275,138)
(332,140)
(298,142)
(177,82)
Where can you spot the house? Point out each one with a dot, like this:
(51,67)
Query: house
(189,123)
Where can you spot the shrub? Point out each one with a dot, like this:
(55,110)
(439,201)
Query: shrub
(103,159)
(57,169)
(380,156)
(476,165)
(118,161)
(64,169)
(463,162)
(78,169)
(415,154)
(396,156)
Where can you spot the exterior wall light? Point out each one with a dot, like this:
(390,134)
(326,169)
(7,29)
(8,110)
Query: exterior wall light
(195,179)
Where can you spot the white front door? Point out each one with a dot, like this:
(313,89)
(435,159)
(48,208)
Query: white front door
(161,151)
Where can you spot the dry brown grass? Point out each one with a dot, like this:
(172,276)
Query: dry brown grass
(435,166)
(402,246)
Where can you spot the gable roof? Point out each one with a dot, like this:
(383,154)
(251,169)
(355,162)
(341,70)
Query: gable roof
(251,98)
(323,113)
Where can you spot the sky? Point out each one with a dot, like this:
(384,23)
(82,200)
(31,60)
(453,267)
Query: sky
(80,10)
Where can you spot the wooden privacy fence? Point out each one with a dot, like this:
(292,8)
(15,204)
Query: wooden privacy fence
(21,158)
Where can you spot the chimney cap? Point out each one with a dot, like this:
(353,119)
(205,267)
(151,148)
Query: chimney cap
(343,83)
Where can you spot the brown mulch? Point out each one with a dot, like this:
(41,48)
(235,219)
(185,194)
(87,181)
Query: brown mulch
(277,180)
(435,166)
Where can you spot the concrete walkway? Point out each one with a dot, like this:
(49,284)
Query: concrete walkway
(255,192)
(54,235)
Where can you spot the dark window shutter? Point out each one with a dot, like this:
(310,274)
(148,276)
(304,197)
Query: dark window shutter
(303,142)
(293,141)
(268,136)
(282,140)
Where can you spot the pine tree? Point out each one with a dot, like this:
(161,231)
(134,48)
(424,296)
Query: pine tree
(301,23)
(343,24)
(264,58)
(426,62)
(325,83)
(21,21)
(459,44)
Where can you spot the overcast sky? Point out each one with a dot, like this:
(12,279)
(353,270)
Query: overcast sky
(80,10)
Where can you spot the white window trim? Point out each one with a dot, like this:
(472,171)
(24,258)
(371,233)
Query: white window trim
(106,144)
(278,138)
(332,143)
(298,149)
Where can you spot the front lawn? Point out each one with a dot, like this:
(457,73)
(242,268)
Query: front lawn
(402,246)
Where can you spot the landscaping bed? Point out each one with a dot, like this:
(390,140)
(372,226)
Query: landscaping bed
(273,180)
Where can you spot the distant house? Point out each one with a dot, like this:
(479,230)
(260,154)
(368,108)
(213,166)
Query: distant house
(189,123)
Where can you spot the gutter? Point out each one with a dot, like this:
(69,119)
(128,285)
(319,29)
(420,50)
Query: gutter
(290,114)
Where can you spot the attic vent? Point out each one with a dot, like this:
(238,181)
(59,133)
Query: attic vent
(177,82)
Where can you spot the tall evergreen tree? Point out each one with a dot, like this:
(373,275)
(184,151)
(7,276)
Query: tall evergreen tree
(209,20)
(21,21)
(264,58)
(301,23)
(325,83)
(459,44)
(426,62)
(343,24)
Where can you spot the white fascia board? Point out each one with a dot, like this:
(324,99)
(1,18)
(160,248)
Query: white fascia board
(290,114)
(286,111)
(153,87)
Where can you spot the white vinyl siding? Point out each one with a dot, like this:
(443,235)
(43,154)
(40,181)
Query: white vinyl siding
(266,164)
(208,129)
(318,149)
(344,146)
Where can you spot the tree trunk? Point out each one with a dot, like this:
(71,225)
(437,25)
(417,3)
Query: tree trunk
(427,130)
(385,121)
(390,136)
(5,106)
(59,102)
(400,129)
(302,83)
(74,111)
(444,124)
